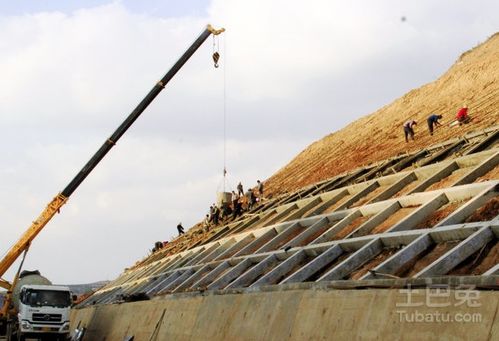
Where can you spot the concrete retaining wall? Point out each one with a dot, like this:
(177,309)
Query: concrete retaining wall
(301,314)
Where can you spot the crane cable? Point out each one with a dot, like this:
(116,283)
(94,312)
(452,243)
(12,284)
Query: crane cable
(216,58)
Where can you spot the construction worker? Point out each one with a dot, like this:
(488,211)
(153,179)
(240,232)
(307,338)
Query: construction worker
(226,210)
(250,196)
(259,187)
(157,246)
(462,115)
(238,209)
(240,190)
(207,223)
(236,205)
(234,199)
(216,214)
(433,122)
(211,213)
(409,130)
(180,229)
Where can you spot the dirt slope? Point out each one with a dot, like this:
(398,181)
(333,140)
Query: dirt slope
(472,80)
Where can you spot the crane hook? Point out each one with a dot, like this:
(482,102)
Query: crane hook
(216,57)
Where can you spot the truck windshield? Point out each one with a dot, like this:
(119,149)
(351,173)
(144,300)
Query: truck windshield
(54,298)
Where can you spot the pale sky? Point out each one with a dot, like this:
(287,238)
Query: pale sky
(295,71)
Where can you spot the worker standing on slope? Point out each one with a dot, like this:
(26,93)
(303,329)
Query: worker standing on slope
(409,130)
(207,223)
(180,229)
(250,196)
(259,187)
(240,190)
(211,213)
(236,205)
(433,122)
(216,214)
(234,199)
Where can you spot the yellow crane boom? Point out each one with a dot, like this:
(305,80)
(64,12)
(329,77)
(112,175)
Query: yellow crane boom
(60,199)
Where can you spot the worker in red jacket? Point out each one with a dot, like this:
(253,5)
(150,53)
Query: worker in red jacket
(462,115)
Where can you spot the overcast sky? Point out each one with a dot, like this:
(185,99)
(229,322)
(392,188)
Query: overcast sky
(295,71)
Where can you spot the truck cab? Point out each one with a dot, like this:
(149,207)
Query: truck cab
(44,309)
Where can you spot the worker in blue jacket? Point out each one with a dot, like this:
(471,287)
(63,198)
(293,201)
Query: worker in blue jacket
(433,122)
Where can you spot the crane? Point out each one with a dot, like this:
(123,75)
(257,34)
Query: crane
(54,206)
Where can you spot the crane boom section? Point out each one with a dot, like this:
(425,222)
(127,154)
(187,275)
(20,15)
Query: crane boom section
(111,141)
(30,234)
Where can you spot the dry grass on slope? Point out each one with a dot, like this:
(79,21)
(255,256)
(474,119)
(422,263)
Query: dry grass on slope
(472,80)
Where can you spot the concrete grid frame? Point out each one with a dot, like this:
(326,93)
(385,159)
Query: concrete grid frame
(315,238)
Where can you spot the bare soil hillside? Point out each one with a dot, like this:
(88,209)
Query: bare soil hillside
(472,80)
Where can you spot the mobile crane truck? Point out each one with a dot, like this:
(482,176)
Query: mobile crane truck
(33,309)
